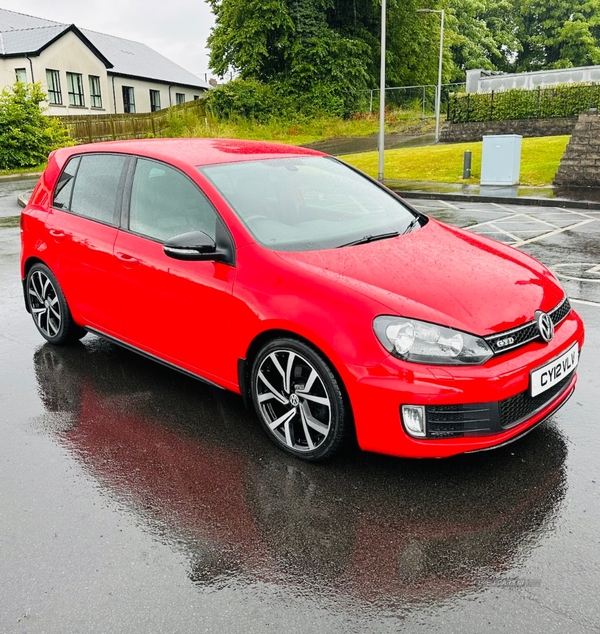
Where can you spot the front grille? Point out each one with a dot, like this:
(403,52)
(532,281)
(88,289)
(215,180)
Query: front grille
(517,408)
(527,332)
(483,419)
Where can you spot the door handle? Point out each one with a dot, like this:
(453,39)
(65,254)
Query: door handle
(127,259)
(57,234)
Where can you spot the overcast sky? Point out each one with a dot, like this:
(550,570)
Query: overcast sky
(176,28)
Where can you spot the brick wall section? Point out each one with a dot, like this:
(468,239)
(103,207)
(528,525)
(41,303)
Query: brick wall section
(580,165)
(469,132)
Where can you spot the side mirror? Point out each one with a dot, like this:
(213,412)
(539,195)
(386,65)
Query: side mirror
(195,245)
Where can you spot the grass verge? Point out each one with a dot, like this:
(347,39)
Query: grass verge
(444,163)
(23,170)
(189,124)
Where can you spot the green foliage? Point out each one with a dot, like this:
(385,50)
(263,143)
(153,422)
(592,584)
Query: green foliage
(246,98)
(541,35)
(568,100)
(26,135)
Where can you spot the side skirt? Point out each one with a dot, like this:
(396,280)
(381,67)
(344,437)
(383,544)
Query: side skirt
(152,357)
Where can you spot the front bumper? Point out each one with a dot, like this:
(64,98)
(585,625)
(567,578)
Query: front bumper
(377,394)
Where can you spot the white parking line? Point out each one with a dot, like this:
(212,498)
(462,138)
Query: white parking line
(555,232)
(584,302)
(445,202)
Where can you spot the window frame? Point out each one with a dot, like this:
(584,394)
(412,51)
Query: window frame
(121,187)
(55,75)
(179,98)
(75,96)
(226,234)
(19,71)
(129,104)
(154,105)
(95,97)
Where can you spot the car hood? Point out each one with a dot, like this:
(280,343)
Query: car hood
(440,274)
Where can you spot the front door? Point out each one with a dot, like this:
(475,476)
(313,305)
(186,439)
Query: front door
(179,311)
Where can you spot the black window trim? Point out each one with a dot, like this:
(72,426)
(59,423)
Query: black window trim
(126,203)
(94,97)
(117,213)
(55,74)
(77,96)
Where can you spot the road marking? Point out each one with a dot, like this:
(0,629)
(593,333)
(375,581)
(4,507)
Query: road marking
(555,232)
(487,222)
(507,233)
(540,220)
(584,302)
(594,270)
(445,202)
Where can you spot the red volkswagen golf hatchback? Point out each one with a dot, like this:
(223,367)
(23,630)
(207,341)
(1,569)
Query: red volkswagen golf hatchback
(313,291)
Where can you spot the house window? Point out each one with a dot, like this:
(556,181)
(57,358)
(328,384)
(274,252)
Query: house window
(196,97)
(154,100)
(179,98)
(21,75)
(54,93)
(128,99)
(75,89)
(95,94)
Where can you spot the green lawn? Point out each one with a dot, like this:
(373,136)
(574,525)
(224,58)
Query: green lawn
(444,163)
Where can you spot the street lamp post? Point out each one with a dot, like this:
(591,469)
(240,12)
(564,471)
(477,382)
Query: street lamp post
(381,141)
(438,98)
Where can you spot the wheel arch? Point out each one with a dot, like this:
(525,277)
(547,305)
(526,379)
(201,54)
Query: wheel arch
(30,262)
(245,365)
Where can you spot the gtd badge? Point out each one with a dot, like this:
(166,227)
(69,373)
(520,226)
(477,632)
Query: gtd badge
(502,343)
(545,325)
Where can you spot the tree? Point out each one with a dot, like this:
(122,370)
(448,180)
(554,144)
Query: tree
(547,33)
(26,135)
(324,53)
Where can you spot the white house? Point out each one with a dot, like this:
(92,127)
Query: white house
(85,72)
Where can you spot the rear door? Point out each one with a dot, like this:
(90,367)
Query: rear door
(82,224)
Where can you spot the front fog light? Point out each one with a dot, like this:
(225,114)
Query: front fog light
(413,417)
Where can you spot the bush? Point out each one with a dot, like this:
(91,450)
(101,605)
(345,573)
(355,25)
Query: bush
(246,99)
(26,135)
(568,100)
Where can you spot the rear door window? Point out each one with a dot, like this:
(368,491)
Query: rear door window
(96,190)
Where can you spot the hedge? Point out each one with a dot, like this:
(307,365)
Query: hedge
(567,100)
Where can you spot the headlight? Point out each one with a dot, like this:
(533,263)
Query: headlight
(422,342)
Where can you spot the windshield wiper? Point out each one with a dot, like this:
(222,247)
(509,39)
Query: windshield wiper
(371,238)
(412,225)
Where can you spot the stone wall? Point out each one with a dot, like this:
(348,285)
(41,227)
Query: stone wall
(580,165)
(468,132)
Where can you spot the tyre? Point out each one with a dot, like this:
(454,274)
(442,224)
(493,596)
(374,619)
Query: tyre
(299,400)
(49,308)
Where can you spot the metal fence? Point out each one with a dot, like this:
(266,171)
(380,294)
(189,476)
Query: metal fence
(554,102)
(417,98)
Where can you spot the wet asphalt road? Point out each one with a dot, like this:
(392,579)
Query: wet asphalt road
(134,499)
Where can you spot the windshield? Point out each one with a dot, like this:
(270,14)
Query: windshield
(308,203)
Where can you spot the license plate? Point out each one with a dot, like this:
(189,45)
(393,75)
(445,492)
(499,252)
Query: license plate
(555,371)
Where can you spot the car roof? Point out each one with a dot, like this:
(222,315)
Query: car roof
(195,151)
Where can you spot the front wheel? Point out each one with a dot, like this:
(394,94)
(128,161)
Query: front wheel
(299,400)
(49,308)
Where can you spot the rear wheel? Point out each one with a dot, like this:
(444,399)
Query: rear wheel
(49,308)
(299,400)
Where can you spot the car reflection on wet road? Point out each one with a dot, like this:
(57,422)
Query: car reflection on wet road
(135,499)
(181,457)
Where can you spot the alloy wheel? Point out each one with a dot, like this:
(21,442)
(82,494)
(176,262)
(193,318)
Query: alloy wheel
(292,398)
(45,304)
